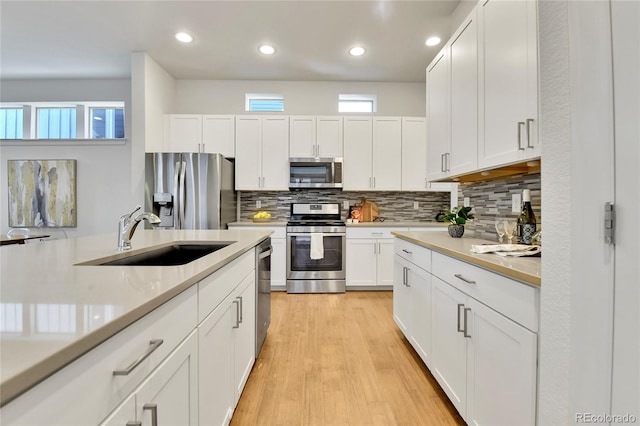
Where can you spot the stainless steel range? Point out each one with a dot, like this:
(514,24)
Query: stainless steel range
(316,249)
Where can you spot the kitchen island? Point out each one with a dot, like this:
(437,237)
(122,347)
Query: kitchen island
(56,310)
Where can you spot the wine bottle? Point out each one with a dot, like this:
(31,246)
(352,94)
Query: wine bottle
(526,220)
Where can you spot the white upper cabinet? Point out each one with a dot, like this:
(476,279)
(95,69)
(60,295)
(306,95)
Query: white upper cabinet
(262,153)
(414,154)
(329,137)
(372,153)
(200,133)
(313,136)
(508,72)
(452,105)
(219,134)
(358,151)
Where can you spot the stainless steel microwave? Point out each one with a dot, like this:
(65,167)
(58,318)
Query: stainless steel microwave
(315,173)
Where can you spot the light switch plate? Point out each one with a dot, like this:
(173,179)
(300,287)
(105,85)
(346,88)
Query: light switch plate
(515,203)
(416,205)
(258,204)
(345,205)
(466,202)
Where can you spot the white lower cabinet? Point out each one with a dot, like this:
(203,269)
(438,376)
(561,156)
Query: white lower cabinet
(278,255)
(369,257)
(484,358)
(227,353)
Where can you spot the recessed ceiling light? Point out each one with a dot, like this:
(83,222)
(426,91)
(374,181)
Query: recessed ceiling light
(432,41)
(267,50)
(357,51)
(184,37)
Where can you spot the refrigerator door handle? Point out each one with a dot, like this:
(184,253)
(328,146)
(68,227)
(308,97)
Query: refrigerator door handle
(183,171)
(176,196)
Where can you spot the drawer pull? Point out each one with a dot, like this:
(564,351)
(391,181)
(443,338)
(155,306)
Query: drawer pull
(407,251)
(460,277)
(235,302)
(377,234)
(153,345)
(460,305)
(154,413)
(466,311)
(134,423)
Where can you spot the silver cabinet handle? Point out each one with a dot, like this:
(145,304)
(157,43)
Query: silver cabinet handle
(369,181)
(134,423)
(460,277)
(407,251)
(460,305)
(408,270)
(374,182)
(263,181)
(235,302)
(259,181)
(153,345)
(520,124)
(154,413)
(442,163)
(241,309)
(466,310)
(404,275)
(447,162)
(528,129)
(379,247)
(377,234)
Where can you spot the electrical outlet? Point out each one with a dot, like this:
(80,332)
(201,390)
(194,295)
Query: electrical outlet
(416,205)
(258,204)
(345,205)
(515,203)
(466,202)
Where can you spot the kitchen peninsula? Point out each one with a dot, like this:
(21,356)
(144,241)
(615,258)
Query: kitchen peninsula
(64,318)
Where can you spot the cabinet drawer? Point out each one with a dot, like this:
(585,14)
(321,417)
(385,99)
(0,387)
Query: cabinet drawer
(371,232)
(518,301)
(420,256)
(86,391)
(213,289)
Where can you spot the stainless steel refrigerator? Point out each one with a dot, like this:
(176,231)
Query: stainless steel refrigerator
(190,190)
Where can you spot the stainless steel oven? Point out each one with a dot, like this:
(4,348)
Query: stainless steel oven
(316,246)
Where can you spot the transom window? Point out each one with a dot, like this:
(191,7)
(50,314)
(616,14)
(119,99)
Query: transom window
(357,103)
(264,102)
(56,123)
(11,123)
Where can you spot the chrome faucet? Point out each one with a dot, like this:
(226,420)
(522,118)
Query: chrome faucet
(128,224)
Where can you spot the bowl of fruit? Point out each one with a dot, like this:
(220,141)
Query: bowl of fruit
(262,217)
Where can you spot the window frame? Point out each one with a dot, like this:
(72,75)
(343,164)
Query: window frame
(346,98)
(249,97)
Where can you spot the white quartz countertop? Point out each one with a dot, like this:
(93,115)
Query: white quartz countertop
(524,269)
(54,310)
(250,223)
(386,223)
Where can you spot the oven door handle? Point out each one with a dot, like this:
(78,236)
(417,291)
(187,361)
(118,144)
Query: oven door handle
(307,234)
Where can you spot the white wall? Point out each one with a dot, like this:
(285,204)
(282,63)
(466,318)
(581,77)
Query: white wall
(300,97)
(103,171)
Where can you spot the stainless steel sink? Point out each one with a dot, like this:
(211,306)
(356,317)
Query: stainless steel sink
(171,255)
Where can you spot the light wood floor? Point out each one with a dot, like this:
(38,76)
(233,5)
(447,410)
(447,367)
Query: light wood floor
(339,359)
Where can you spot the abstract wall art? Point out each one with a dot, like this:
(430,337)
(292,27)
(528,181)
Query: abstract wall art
(42,193)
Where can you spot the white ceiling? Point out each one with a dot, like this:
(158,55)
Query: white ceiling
(94,39)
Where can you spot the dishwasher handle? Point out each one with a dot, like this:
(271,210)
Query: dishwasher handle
(266,253)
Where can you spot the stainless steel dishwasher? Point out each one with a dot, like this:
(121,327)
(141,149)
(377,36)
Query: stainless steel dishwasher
(263,292)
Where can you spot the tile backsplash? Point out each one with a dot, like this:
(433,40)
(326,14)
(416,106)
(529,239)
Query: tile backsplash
(391,205)
(492,198)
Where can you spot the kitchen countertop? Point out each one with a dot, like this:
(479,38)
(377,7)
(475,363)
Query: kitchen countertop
(524,269)
(386,223)
(46,298)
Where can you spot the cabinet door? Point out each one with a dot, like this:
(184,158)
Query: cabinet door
(448,350)
(218,134)
(401,296)
(414,154)
(420,331)
(387,154)
(278,263)
(501,369)
(384,262)
(170,392)
(509,72)
(302,133)
(125,413)
(185,133)
(361,260)
(275,153)
(244,336)
(329,137)
(248,153)
(215,349)
(438,97)
(357,153)
(464,98)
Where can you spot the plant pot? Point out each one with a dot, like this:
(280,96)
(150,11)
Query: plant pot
(456,231)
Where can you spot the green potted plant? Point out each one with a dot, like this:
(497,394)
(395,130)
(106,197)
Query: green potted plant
(457,217)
